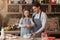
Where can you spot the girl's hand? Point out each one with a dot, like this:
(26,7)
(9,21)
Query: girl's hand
(27,25)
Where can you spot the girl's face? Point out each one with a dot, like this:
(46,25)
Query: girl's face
(26,13)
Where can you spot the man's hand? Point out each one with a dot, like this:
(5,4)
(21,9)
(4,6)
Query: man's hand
(33,34)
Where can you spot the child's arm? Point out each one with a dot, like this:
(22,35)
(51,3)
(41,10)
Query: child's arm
(32,23)
(21,23)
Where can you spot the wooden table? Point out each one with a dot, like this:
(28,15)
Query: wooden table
(12,37)
(18,38)
(26,39)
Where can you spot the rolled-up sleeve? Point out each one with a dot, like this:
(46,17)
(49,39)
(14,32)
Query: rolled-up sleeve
(43,21)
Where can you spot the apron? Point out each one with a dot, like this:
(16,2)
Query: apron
(37,26)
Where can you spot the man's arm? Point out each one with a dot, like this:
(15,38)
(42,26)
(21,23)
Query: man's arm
(43,21)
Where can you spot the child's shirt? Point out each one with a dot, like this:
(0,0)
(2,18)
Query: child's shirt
(25,30)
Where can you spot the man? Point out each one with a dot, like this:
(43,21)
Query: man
(39,18)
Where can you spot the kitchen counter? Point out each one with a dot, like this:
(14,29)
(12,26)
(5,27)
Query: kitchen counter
(13,37)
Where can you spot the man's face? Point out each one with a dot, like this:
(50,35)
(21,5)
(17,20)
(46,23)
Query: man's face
(36,9)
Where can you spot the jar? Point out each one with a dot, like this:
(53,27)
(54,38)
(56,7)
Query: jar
(44,36)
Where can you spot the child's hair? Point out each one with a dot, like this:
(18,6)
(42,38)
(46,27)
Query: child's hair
(26,10)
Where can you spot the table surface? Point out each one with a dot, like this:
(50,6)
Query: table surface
(19,38)
(13,37)
(24,39)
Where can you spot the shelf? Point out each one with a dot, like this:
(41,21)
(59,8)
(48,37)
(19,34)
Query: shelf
(14,13)
(53,32)
(13,4)
(12,32)
(54,4)
(31,13)
(14,9)
(55,12)
(45,4)
(31,4)
(26,4)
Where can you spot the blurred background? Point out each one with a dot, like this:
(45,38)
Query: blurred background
(11,11)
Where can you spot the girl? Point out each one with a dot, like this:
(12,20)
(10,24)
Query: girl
(26,23)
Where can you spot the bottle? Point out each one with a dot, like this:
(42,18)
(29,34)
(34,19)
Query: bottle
(44,36)
(9,2)
(52,1)
(27,1)
(30,1)
(57,1)
(12,1)
(40,1)
(23,2)
(2,33)
(16,1)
